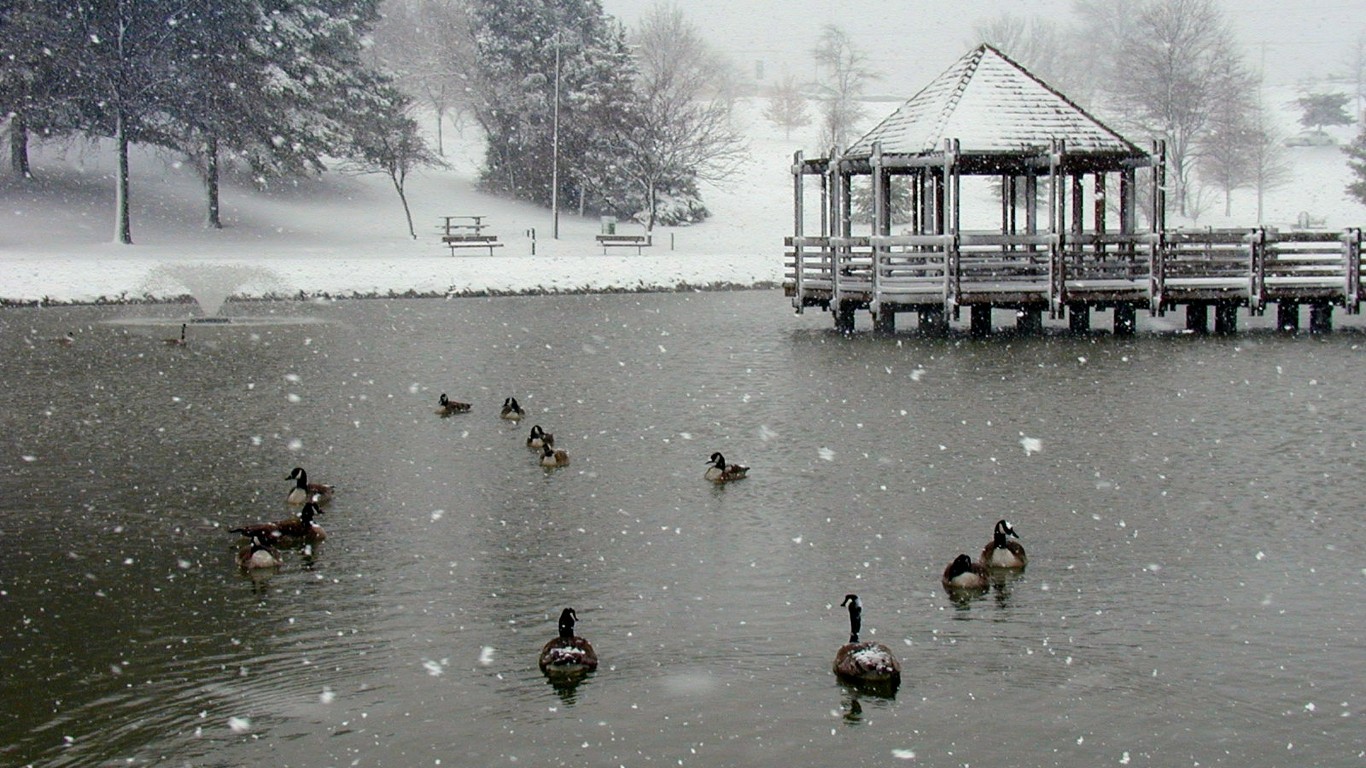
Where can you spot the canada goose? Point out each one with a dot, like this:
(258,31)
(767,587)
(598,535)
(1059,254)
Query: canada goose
(511,410)
(539,438)
(66,341)
(259,554)
(867,663)
(568,654)
(300,530)
(721,472)
(174,342)
(963,575)
(1001,552)
(449,406)
(553,457)
(304,491)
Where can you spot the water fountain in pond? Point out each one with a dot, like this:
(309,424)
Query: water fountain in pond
(211,284)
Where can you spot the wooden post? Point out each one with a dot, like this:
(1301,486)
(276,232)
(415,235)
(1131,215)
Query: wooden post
(979,320)
(1057,224)
(1098,209)
(931,320)
(1078,317)
(1126,322)
(1197,317)
(917,216)
(881,226)
(1287,316)
(798,214)
(1226,317)
(844,316)
(884,320)
(1157,227)
(1320,317)
(1078,205)
(1351,243)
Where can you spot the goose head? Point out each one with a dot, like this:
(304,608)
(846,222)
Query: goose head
(567,619)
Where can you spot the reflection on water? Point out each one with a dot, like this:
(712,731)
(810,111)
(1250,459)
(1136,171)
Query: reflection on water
(1187,504)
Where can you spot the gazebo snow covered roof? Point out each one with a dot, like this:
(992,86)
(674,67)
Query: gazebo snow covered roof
(991,106)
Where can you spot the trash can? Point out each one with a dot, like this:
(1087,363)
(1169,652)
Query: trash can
(609,225)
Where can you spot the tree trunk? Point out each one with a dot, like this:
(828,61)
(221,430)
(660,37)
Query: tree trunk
(440,132)
(403,198)
(123,232)
(213,220)
(18,147)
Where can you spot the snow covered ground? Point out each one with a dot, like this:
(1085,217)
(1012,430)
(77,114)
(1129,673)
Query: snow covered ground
(345,235)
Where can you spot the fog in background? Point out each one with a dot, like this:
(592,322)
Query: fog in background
(911,41)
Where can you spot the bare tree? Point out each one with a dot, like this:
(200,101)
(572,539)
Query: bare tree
(1356,72)
(844,75)
(1269,166)
(682,131)
(383,138)
(1176,65)
(787,106)
(1226,151)
(426,45)
(1100,26)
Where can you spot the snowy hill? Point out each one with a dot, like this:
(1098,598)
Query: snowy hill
(345,235)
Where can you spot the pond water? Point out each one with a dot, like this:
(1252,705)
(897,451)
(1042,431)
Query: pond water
(1190,505)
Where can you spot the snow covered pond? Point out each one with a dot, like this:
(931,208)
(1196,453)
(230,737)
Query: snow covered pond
(1190,506)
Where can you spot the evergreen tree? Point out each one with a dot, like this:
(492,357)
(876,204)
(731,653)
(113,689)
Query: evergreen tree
(1320,109)
(34,47)
(787,106)
(1356,160)
(552,81)
(120,75)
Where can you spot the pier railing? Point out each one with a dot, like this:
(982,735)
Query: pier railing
(1159,270)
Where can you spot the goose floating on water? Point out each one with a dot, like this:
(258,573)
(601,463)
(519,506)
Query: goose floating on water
(965,576)
(299,530)
(865,663)
(721,472)
(1001,552)
(553,457)
(568,654)
(447,406)
(304,491)
(177,342)
(539,438)
(259,554)
(512,411)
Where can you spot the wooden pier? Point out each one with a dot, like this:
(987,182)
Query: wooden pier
(1070,274)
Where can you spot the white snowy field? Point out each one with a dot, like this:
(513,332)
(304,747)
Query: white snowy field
(344,235)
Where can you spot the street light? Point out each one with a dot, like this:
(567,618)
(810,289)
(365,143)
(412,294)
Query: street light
(555,149)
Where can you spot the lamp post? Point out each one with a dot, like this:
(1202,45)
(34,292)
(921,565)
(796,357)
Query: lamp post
(555,149)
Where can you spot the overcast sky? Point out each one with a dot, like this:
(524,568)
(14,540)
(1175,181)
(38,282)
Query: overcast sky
(911,41)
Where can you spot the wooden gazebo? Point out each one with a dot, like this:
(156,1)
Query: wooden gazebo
(985,116)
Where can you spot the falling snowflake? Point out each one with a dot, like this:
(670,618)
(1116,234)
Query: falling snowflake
(1031,445)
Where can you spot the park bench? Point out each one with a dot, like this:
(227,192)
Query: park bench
(456,235)
(471,241)
(630,241)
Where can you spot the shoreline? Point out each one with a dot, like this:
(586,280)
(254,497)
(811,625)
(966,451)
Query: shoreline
(468,293)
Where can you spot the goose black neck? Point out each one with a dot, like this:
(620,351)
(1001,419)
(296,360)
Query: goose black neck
(567,623)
